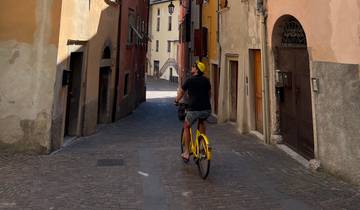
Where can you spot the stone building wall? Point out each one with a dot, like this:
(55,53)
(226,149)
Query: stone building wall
(29,36)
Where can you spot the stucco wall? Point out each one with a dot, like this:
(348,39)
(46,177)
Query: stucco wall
(329,26)
(209,20)
(337,107)
(28,51)
(332,30)
(240,32)
(74,26)
(103,32)
(95,23)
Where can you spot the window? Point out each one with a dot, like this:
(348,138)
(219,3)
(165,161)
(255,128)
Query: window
(126,83)
(169,46)
(158,11)
(131,23)
(138,27)
(158,24)
(201,42)
(143,27)
(156,68)
(170,23)
(157,46)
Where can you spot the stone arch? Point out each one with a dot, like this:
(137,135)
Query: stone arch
(294,104)
(106,50)
(104,92)
(288,32)
(106,53)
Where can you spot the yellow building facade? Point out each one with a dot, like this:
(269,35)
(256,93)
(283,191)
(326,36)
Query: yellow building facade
(209,20)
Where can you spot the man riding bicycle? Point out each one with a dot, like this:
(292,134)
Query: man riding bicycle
(198,88)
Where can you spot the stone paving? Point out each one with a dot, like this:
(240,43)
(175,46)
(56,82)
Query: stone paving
(134,164)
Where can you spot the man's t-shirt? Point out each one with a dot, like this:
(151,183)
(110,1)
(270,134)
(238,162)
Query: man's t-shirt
(198,88)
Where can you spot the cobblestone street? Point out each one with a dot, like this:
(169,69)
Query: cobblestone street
(135,164)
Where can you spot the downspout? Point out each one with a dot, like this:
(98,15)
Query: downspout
(264,55)
(218,34)
(219,50)
(117,71)
(188,47)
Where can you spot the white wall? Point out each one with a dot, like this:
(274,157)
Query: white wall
(164,35)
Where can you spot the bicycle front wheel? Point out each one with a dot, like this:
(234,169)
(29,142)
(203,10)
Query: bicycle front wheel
(204,157)
(182,141)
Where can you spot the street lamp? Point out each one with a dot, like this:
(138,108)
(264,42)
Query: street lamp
(171,8)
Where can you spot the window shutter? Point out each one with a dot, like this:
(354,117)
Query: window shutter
(204,42)
(197,42)
(201,42)
(188,27)
(199,2)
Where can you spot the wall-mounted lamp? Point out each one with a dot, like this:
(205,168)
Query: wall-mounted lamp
(315,84)
(171,8)
(66,77)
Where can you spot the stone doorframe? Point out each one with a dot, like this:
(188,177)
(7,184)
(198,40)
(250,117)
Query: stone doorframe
(227,78)
(212,76)
(276,39)
(75,47)
(106,61)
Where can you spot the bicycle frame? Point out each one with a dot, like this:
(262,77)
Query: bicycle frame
(194,145)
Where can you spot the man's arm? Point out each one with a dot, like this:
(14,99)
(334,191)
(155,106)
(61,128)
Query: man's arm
(181,91)
(180,94)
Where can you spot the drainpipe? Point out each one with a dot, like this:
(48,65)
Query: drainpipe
(117,68)
(218,34)
(219,55)
(188,46)
(264,55)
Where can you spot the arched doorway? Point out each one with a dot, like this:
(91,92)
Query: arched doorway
(104,82)
(293,85)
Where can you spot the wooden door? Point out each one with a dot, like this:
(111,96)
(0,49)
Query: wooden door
(295,107)
(156,69)
(72,119)
(233,90)
(104,79)
(258,91)
(216,83)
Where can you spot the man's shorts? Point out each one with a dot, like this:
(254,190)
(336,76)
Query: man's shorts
(192,116)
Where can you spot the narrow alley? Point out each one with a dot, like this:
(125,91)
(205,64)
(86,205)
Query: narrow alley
(135,164)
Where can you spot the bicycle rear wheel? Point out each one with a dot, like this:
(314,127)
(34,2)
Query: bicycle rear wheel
(204,158)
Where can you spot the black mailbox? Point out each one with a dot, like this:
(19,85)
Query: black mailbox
(66,77)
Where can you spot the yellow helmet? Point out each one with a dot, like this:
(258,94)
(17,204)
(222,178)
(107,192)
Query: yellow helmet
(201,66)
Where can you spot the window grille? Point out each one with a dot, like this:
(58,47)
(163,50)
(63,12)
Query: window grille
(293,35)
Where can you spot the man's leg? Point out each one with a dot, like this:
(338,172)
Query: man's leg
(202,126)
(186,134)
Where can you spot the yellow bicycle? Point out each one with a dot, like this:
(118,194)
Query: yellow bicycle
(200,149)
